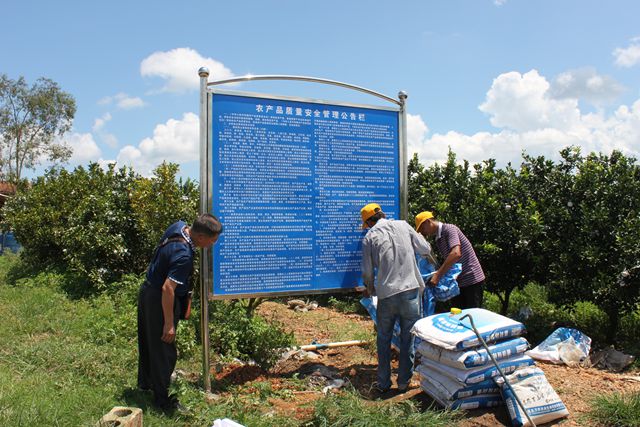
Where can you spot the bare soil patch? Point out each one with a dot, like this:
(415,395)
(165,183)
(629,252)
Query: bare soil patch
(577,387)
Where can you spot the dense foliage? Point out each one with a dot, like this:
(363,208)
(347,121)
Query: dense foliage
(98,223)
(571,226)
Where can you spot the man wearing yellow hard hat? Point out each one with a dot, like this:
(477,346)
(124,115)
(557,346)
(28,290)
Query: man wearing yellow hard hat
(390,247)
(453,247)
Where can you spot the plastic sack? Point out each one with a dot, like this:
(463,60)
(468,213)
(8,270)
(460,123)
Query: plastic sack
(225,422)
(448,389)
(447,286)
(465,403)
(479,374)
(564,345)
(448,331)
(474,357)
(540,400)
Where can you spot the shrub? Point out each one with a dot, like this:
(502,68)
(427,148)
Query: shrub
(592,321)
(541,318)
(234,333)
(99,224)
(627,338)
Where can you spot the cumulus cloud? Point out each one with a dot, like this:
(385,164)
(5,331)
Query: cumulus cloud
(586,84)
(175,141)
(499,2)
(521,102)
(179,68)
(628,56)
(531,120)
(84,148)
(123,101)
(100,131)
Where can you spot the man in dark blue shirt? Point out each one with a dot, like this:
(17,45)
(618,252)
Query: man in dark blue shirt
(162,299)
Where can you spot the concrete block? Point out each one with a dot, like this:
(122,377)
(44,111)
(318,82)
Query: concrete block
(121,416)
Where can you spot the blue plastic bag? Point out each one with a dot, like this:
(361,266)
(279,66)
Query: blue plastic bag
(447,286)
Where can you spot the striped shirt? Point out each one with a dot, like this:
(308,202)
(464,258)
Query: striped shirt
(450,236)
(390,246)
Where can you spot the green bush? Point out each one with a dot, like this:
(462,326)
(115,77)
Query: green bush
(589,319)
(530,306)
(99,224)
(628,333)
(234,333)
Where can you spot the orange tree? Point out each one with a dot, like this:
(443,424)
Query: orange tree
(98,223)
(572,226)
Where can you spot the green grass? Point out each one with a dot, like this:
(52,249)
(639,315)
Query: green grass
(349,410)
(67,361)
(617,410)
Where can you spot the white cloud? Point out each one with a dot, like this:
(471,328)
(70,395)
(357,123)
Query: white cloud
(628,56)
(521,102)
(179,67)
(499,2)
(99,129)
(531,120)
(123,101)
(176,141)
(84,148)
(99,123)
(586,84)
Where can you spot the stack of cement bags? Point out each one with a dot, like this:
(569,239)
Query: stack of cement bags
(454,367)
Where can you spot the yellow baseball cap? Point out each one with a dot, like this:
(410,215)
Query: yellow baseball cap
(422,217)
(368,211)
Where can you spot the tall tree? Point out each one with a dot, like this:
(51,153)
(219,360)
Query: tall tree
(31,119)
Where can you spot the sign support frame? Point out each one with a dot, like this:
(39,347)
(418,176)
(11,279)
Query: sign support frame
(206,269)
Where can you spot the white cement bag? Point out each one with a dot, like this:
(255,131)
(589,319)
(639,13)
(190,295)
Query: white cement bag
(541,401)
(473,358)
(451,389)
(473,402)
(447,331)
(479,374)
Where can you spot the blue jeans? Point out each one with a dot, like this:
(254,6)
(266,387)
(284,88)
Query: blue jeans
(405,307)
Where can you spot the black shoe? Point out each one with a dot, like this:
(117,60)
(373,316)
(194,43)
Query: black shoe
(173,405)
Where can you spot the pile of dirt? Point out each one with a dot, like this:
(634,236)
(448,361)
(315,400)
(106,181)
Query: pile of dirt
(357,365)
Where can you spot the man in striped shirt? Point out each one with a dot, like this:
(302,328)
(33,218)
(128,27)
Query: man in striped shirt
(453,247)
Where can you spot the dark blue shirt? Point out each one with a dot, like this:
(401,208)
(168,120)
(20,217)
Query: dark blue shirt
(174,260)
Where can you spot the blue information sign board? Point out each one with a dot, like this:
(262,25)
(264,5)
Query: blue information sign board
(288,177)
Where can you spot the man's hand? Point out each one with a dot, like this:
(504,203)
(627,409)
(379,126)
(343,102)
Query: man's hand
(433,281)
(168,333)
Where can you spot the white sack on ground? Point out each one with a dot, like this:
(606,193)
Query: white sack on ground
(482,373)
(564,345)
(473,402)
(541,401)
(451,389)
(475,357)
(447,331)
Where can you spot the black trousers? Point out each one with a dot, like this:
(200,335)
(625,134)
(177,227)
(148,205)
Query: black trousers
(156,359)
(470,296)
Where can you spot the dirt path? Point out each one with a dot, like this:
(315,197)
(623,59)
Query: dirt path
(576,386)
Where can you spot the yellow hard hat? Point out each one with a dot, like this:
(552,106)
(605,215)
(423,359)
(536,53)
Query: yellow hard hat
(368,211)
(422,217)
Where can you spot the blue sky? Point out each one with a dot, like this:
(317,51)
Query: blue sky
(488,78)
